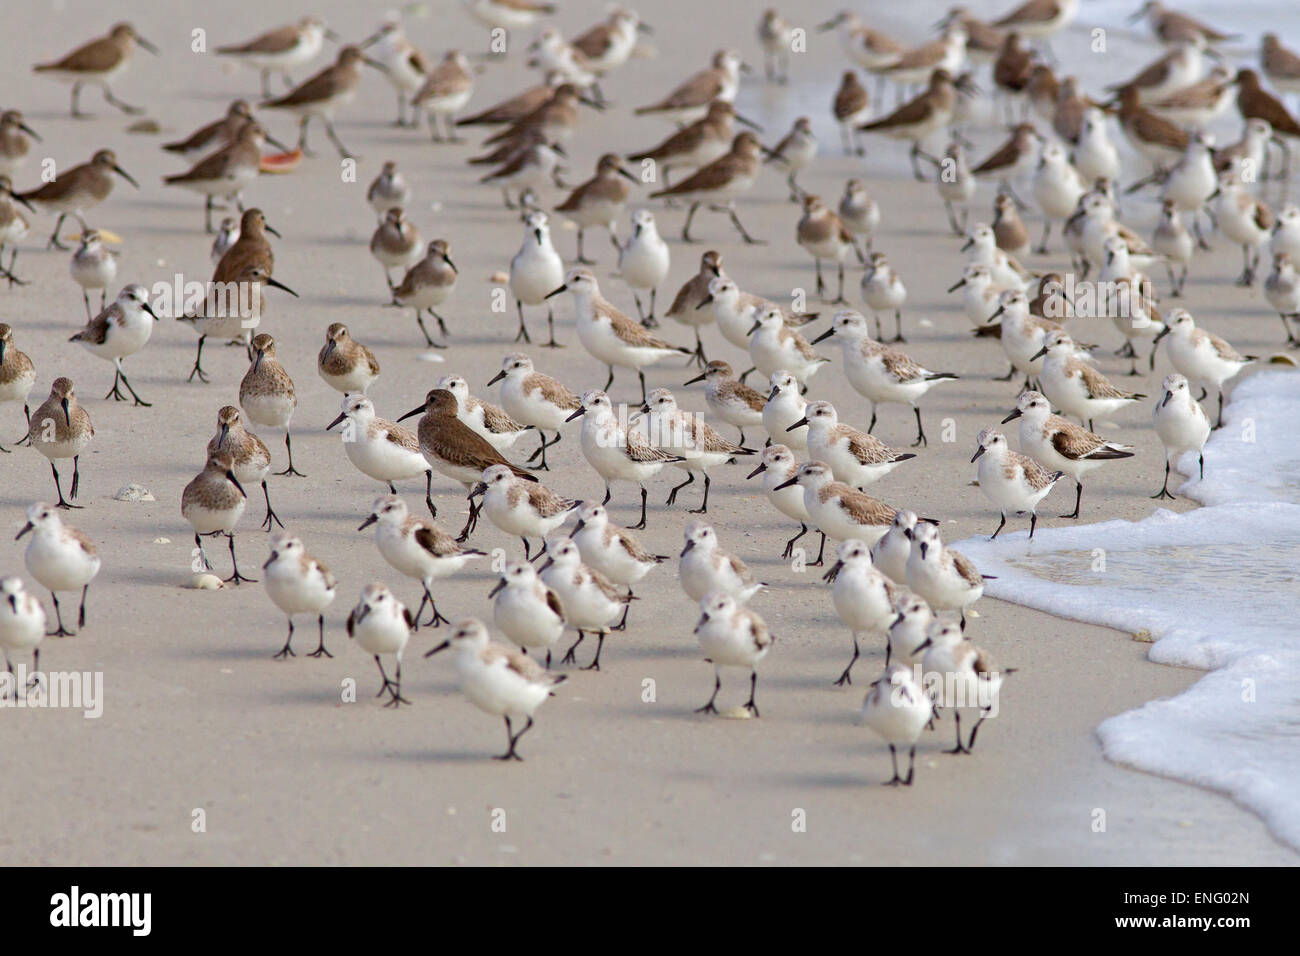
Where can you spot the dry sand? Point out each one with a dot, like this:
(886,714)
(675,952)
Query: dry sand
(198,716)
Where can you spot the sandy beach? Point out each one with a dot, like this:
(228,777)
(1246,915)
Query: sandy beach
(197,716)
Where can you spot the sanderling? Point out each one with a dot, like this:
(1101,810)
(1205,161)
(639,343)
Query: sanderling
(428,283)
(405,67)
(280,49)
(1060,445)
(322,94)
(396,243)
(643,262)
(859,211)
(213,503)
(966,669)
(17,374)
(496,679)
(344,363)
(879,373)
(298,583)
(776,35)
(945,578)
(1172,240)
(611,550)
(13,227)
(696,145)
(704,567)
(690,100)
(508,14)
(1282,290)
(863,597)
(381,624)
(720,183)
(532,398)
(915,120)
(734,402)
(1204,358)
(609,335)
(1242,219)
(1286,233)
(591,601)
(267,396)
(600,200)
(97,62)
(77,190)
(16,139)
(838,510)
(252,460)
(897,709)
(979,297)
(608,44)
(731,635)
(521,508)
(378,448)
(390,190)
(775,347)
(1014,482)
(851,107)
(697,445)
(60,558)
(92,266)
(551,53)
(1057,187)
(956,186)
(883,291)
(120,331)
(487,419)
(1074,386)
(227,236)
(1005,270)
(855,457)
(527,611)
(783,410)
(1023,334)
(1255,102)
(455,450)
(734,311)
(890,553)
(61,428)
(796,150)
(535,270)
(908,631)
(870,48)
(225,173)
(444,93)
(417,548)
(777,466)
(617,453)
(22,623)
(823,235)
(1181,424)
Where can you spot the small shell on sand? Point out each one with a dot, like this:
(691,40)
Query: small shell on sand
(134,492)
(205,582)
(1144,637)
(736,713)
(430,356)
(499,278)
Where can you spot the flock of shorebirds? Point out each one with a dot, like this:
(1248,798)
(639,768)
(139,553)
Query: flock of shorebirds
(894,578)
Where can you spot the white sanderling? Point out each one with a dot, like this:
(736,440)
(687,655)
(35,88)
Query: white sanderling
(705,568)
(691,439)
(778,465)
(734,402)
(213,502)
(298,583)
(1182,425)
(777,36)
(1074,386)
(839,510)
(859,211)
(345,364)
(610,336)
(527,611)
(396,243)
(947,579)
(965,669)
(643,262)
(500,430)
(879,373)
(1172,240)
(617,453)
(1023,334)
(381,624)
(908,631)
(783,410)
(521,508)
(61,428)
(378,448)
(864,598)
(496,679)
(1006,271)
(856,458)
(1282,290)
(532,398)
(417,548)
(120,331)
(1286,232)
(734,311)
(267,395)
(427,284)
(227,236)
(1060,445)
(890,553)
(611,550)
(731,635)
(956,186)
(774,347)
(390,190)
(883,291)
(1057,187)
(1243,219)
(1015,483)
(60,557)
(444,92)
(979,296)
(592,602)
(535,270)
(1202,357)
(13,224)
(93,266)
(897,709)
(22,623)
